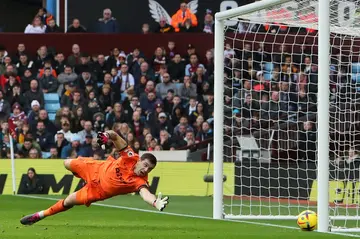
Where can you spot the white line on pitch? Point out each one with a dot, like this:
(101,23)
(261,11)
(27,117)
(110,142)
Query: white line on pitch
(186,215)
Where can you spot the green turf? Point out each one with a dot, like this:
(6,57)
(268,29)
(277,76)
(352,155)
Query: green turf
(109,223)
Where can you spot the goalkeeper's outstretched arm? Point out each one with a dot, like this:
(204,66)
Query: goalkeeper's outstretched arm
(117,140)
(158,202)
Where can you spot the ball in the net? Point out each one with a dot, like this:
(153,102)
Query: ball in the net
(307,220)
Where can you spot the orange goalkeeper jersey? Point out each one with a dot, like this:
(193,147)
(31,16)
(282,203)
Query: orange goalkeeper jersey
(118,177)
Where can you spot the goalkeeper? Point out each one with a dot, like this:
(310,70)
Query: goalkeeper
(106,179)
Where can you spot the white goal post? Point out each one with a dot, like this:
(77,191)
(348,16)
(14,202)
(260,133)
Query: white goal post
(256,13)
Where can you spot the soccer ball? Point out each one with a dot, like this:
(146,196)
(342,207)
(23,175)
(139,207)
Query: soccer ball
(307,220)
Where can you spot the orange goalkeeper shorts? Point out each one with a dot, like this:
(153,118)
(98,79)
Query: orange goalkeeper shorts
(88,169)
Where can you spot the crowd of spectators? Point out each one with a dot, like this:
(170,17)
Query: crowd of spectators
(182,21)
(163,102)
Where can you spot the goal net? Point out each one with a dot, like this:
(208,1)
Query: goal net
(271,112)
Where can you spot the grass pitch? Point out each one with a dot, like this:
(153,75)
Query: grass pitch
(129,217)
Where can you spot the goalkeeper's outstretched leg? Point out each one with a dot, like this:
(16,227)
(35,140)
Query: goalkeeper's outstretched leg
(61,206)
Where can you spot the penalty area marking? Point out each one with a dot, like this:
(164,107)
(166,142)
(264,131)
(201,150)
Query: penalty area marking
(187,215)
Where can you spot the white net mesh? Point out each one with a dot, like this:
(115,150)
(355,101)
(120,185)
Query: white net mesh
(271,85)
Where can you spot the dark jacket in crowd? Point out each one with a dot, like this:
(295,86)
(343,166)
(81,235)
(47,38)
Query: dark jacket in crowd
(29,186)
(111,26)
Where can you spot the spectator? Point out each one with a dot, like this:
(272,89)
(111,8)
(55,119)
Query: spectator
(209,25)
(65,129)
(192,67)
(161,124)
(86,147)
(116,115)
(76,27)
(43,137)
(84,65)
(209,62)
(188,27)
(36,27)
(4,107)
(164,26)
(59,64)
(176,69)
(107,24)
(176,111)
(45,16)
(85,78)
(74,58)
(171,49)
(179,18)
(192,107)
(34,154)
(24,64)
(148,105)
(145,29)
(26,147)
(11,82)
(25,80)
(33,94)
(127,86)
(144,70)
(10,71)
(48,82)
(187,89)
(168,100)
(101,67)
(21,50)
(165,140)
(50,126)
(41,57)
(31,184)
(99,122)
(136,124)
(33,114)
(4,129)
(54,154)
(3,54)
(66,98)
(73,147)
(205,133)
(52,27)
(60,142)
(17,118)
(307,142)
(114,57)
(163,87)
(159,59)
(106,98)
(66,77)
(87,131)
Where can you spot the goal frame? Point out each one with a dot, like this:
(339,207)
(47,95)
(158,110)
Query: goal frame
(323,108)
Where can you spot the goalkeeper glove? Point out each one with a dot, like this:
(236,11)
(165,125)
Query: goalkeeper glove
(160,203)
(102,140)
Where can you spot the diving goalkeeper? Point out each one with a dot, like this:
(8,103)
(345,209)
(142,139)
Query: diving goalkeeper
(106,179)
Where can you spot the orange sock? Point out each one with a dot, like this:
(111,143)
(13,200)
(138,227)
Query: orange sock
(54,209)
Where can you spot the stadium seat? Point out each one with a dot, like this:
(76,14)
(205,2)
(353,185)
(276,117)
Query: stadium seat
(269,66)
(51,98)
(355,78)
(355,68)
(52,108)
(45,155)
(178,86)
(267,76)
(51,116)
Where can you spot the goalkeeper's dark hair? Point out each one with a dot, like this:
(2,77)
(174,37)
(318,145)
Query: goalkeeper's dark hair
(152,159)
